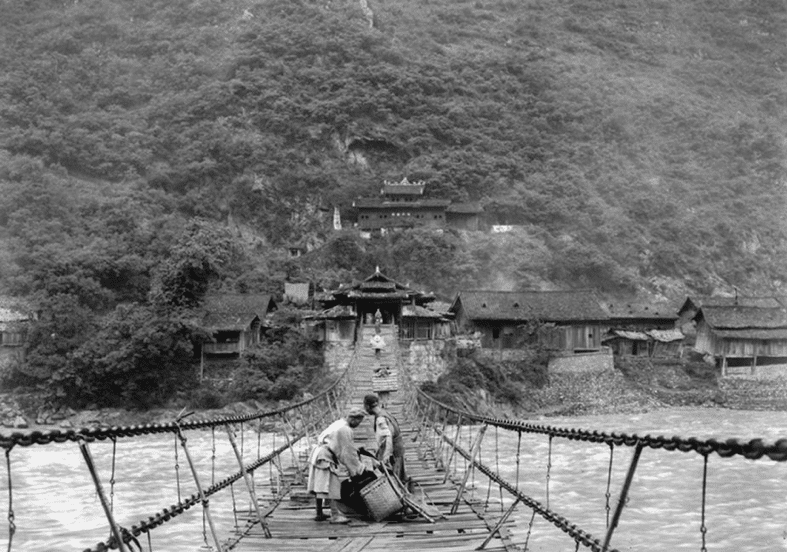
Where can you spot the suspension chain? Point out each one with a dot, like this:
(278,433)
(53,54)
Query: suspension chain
(549,468)
(11,524)
(703,528)
(609,480)
(112,477)
(177,468)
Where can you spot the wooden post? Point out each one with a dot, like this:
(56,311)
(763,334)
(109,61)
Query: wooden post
(723,365)
(298,472)
(249,483)
(453,449)
(499,524)
(754,365)
(623,495)
(473,453)
(202,496)
(101,496)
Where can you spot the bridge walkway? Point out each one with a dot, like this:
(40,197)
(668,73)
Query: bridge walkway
(292,525)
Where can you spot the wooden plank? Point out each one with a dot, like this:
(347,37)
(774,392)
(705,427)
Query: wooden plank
(293,528)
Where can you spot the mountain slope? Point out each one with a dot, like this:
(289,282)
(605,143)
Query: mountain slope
(640,145)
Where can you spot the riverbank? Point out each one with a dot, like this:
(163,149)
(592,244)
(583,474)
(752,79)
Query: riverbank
(634,386)
(27,411)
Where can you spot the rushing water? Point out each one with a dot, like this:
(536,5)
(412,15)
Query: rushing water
(56,506)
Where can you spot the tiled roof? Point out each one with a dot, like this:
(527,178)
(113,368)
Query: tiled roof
(730,301)
(227,322)
(738,317)
(339,311)
(465,208)
(253,303)
(234,311)
(414,311)
(631,311)
(760,335)
(380,203)
(403,189)
(548,306)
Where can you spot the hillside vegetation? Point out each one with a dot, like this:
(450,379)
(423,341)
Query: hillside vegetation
(152,150)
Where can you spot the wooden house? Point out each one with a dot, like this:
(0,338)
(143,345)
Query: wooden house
(743,339)
(337,323)
(423,323)
(16,317)
(463,216)
(643,330)
(692,305)
(236,321)
(571,321)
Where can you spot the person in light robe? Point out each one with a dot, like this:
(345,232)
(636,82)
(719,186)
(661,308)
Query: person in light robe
(334,459)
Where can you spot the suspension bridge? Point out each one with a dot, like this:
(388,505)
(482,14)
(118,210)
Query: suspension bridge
(452,457)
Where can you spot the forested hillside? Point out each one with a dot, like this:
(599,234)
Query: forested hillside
(152,149)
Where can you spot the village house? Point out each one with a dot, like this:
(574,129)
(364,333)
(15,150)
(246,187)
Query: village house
(643,330)
(744,340)
(15,320)
(691,306)
(569,321)
(236,322)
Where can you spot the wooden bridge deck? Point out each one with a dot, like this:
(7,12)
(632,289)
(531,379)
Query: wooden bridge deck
(293,527)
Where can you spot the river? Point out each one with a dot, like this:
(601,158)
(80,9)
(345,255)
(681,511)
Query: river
(56,506)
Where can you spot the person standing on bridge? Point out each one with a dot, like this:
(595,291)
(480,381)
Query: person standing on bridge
(333,459)
(377,343)
(388,435)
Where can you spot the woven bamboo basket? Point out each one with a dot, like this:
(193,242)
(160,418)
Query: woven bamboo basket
(381,499)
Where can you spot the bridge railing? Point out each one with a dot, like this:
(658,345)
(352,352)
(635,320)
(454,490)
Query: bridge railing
(442,425)
(295,422)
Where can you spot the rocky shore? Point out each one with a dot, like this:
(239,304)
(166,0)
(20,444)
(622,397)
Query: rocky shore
(632,387)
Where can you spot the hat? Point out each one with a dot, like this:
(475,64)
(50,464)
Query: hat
(371,400)
(356,412)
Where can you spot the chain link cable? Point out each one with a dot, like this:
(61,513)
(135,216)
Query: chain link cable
(529,530)
(549,468)
(234,506)
(11,524)
(177,469)
(489,483)
(703,528)
(609,481)
(112,477)
(497,467)
(518,453)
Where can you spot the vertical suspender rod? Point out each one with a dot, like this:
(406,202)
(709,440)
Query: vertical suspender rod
(249,484)
(101,496)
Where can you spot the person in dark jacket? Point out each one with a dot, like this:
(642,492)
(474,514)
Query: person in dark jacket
(388,436)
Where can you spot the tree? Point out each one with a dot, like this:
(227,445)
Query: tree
(202,253)
(139,358)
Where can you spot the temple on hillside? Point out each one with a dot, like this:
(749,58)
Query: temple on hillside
(403,205)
